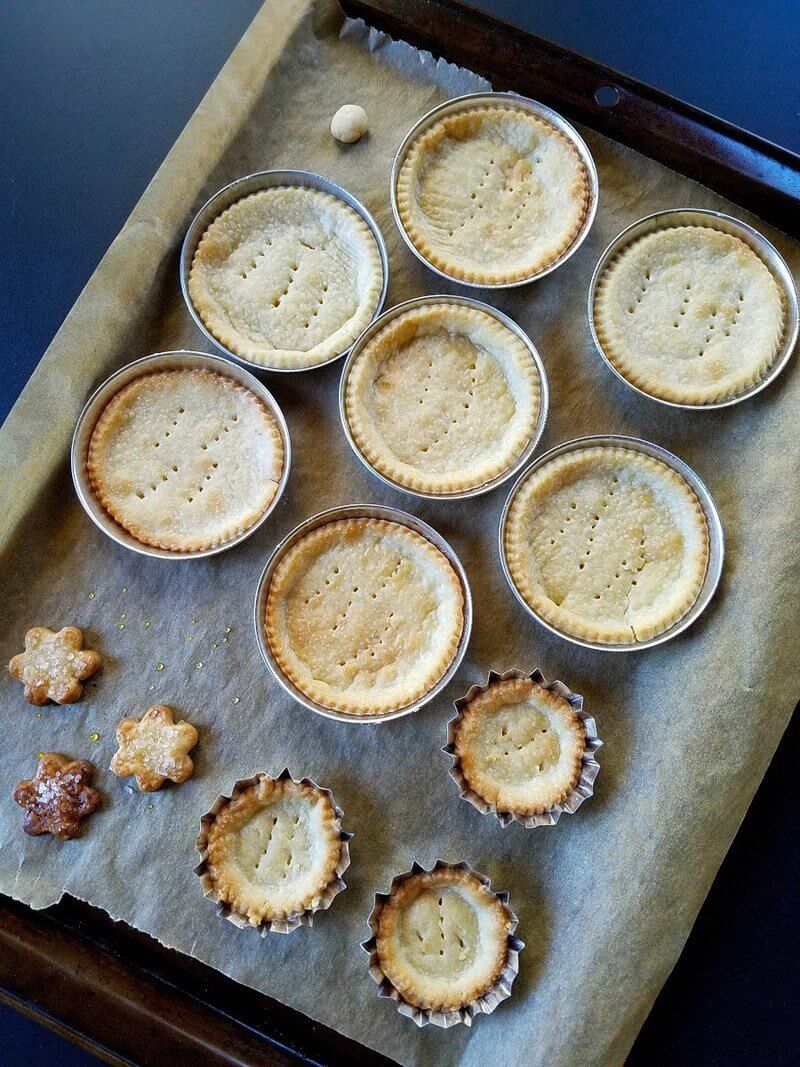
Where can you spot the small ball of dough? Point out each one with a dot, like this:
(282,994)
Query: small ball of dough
(349,123)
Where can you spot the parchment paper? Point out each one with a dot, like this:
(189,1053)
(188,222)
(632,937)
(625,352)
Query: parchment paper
(607,897)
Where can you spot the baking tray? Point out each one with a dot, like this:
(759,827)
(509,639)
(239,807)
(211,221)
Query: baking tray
(117,991)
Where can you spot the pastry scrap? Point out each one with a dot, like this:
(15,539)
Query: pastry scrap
(185,459)
(520,746)
(58,797)
(442,939)
(349,123)
(492,195)
(690,314)
(54,664)
(154,748)
(274,849)
(287,277)
(364,615)
(607,544)
(443,399)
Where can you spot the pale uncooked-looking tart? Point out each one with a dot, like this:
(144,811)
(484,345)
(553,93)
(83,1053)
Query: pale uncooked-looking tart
(185,459)
(492,194)
(364,616)
(442,939)
(689,314)
(273,850)
(287,277)
(443,399)
(607,544)
(520,746)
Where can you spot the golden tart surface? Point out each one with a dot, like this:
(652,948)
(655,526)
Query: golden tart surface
(273,850)
(492,194)
(364,616)
(520,746)
(185,459)
(287,277)
(444,398)
(442,939)
(689,314)
(607,544)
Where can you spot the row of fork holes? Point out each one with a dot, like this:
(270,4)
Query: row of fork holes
(465,403)
(507,751)
(676,324)
(290,856)
(203,446)
(479,205)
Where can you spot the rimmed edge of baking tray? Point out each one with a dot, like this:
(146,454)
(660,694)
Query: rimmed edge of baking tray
(716,537)
(464,301)
(357,511)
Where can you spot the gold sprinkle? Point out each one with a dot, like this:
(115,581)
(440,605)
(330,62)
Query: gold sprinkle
(150,807)
(39,755)
(91,596)
(227,629)
(236,700)
(159,666)
(122,616)
(193,622)
(199,664)
(124,589)
(121,626)
(151,687)
(225,639)
(94,737)
(146,624)
(190,638)
(214,644)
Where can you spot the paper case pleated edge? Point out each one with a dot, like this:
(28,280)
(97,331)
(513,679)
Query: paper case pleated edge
(482,1005)
(302,918)
(589,764)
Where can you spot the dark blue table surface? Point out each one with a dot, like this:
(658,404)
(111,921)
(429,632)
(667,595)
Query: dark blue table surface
(95,93)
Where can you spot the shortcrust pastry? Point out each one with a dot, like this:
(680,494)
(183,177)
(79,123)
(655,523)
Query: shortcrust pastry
(58,797)
(607,544)
(154,749)
(492,195)
(54,665)
(689,314)
(274,849)
(520,746)
(442,939)
(287,277)
(185,459)
(443,399)
(364,615)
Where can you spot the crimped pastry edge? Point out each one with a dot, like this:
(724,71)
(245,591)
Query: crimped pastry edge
(316,693)
(288,359)
(484,1004)
(360,377)
(655,387)
(326,895)
(177,544)
(406,202)
(562,620)
(588,770)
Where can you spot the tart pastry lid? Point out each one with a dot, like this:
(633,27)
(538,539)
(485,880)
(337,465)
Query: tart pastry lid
(469,102)
(590,768)
(484,1004)
(303,918)
(255,183)
(676,217)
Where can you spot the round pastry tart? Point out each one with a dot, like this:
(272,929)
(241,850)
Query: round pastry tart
(273,851)
(607,544)
(520,746)
(443,398)
(492,194)
(185,459)
(689,314)
(442,938)
(287,277)
(364,616)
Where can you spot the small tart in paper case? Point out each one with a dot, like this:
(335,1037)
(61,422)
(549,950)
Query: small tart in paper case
(364,615)
(607,544)
(442,939)
(185,459)
(274,849)
(443,399)
(520,746)
(689,314)
(287,277)
(492,194)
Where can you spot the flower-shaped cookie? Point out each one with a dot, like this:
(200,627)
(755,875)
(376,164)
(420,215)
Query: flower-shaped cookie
(54,664)
(58,797)
(154,748)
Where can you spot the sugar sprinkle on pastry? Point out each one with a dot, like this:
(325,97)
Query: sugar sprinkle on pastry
(154,748)
(54,664)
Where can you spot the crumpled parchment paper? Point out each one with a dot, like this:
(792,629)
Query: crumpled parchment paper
(607,897)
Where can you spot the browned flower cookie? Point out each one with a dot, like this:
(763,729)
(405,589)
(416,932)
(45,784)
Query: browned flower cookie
(54,664)
(58,797)
(154,748)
